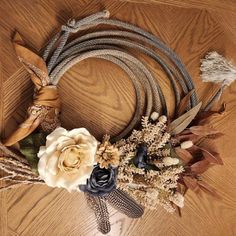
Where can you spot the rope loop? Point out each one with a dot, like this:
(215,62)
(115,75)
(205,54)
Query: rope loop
(117,47)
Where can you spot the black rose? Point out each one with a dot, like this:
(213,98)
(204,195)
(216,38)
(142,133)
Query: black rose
(101,182)
(140,159)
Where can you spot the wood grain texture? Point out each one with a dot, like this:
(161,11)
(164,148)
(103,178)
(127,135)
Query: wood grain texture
(98,95)
(213,5)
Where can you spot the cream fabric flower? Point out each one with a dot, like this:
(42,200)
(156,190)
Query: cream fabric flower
(67,159)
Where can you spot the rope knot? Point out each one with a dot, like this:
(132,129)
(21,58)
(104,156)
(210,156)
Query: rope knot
(70,26)
(71,23)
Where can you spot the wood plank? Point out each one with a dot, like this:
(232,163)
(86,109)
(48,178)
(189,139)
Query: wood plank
(3,214)
(215,5)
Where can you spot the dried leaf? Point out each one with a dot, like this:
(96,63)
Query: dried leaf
(205,116)
(200,166)
(181,123)
(178,210)
(203,130)
(181,188)
(185,137)
(191,183)
(208,189)
(215,136)
(29,147)
(212,157)
(185,155)
(194,149)
(184,103)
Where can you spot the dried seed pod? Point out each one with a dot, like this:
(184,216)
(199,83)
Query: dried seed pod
(154,116)
(186,144)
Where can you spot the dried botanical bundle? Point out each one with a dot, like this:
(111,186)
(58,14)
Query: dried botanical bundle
(197,157)
(148,171)
(15,170)
(157,167)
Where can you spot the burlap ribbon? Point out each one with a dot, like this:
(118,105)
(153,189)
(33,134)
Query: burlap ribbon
(46,104)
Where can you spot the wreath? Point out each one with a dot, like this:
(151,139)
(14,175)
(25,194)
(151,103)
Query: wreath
(153,161)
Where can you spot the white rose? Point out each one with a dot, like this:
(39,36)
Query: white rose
(67,159)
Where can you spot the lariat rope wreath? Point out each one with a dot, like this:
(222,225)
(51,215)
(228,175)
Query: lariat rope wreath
(153,161)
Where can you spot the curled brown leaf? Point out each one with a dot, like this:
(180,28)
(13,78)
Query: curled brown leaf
(200,166)
(212,157)
(205,116)
(191,183)
(181,188)
(184,155)
(184,104)
(208,189)
(203,130)
(181,123)
(185,137)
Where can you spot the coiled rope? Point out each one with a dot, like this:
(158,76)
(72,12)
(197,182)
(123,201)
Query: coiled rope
(116,46)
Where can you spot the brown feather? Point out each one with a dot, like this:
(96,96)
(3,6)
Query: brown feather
(124,203)
(98,205)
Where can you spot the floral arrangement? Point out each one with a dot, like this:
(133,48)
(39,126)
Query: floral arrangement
(154,164)
(157,168)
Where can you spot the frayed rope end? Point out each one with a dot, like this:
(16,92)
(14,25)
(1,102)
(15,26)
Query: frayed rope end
(217,69)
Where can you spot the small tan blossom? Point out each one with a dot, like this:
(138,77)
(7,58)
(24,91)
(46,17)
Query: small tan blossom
(107,154)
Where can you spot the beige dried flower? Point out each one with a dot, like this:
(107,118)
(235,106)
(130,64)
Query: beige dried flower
(153,187)
(107,154)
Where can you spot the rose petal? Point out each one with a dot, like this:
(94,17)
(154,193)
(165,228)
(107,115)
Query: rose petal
(52,142)
(72,181)
(52,137)
(52,163)
(74,132)
(65,142)
(41,152)
(51,180)
(51,149)
(41,166)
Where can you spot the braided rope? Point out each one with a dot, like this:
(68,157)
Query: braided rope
(114,46)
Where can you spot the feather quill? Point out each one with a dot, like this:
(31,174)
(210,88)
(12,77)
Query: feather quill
(124,203)
(99,207)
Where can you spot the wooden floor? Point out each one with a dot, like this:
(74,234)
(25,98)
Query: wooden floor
(103,101)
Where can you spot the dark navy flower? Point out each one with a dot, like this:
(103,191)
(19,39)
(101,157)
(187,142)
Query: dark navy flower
(101,182)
